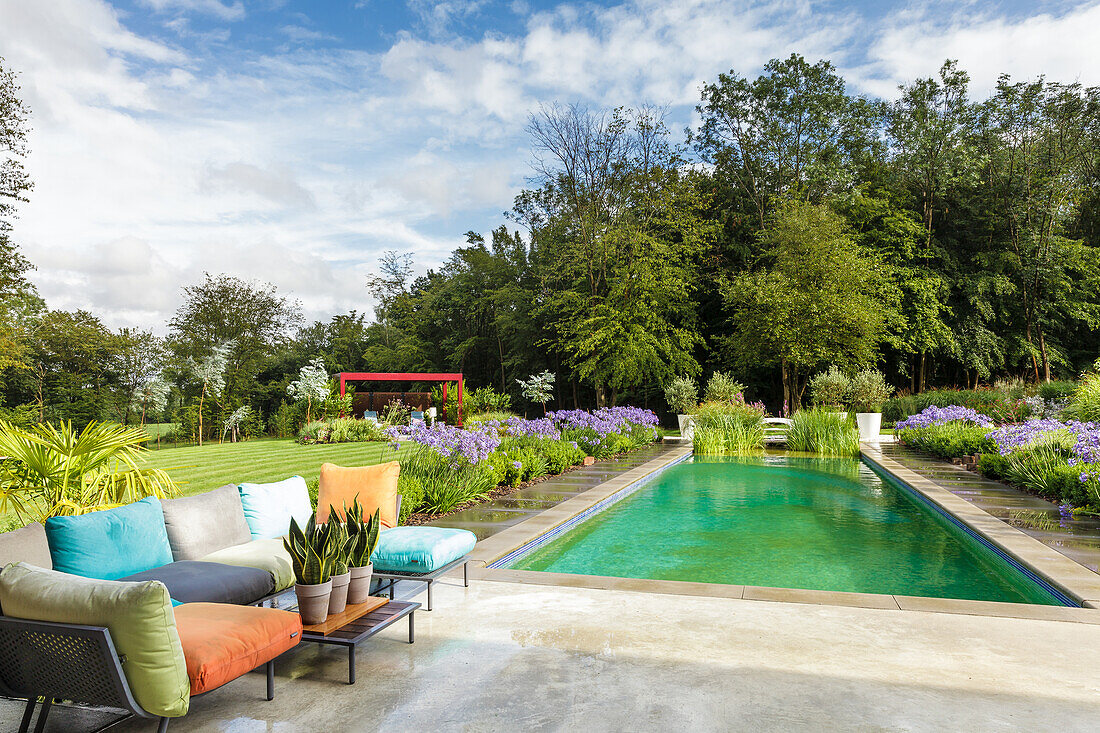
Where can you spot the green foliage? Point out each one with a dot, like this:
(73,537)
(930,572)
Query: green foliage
(474,420)
(1057,390)
(445,487)
(363,533)
(486,399)
(868,391)
(411,490)
(824,432)
(722,387)
(830,388)
(950,440)
(341,430)
(997,404)
(314,550)
(1084,401)
(50,471)
(682,395)
(728,428)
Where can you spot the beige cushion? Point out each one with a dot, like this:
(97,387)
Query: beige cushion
(26,545)
(204,523)
(138,615)
(269,555)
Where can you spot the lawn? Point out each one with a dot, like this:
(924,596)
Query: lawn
(213,465)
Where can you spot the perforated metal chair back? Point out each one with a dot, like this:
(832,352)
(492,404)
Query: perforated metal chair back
(62,661)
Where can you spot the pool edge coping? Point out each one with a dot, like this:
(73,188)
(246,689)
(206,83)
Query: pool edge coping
(1052,567)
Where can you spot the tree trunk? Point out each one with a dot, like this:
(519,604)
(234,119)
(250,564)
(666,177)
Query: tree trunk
(921,371)
(601,394)
(1043,351)
(202,397)
(786,411)
(576,400)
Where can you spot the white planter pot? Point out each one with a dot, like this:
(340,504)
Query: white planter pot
(359,590)
(338,599)
(687,426)
(869,424)
(313,601)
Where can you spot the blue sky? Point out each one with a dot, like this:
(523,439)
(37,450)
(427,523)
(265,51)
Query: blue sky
(294,142)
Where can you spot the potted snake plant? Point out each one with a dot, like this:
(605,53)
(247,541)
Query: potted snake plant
(364,535)
(312,554)
(341,574)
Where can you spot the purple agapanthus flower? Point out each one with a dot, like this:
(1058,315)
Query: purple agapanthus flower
(933,415)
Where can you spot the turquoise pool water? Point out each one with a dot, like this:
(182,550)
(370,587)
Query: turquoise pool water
(787,522)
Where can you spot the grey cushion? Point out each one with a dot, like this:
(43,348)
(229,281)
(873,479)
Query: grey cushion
(26,545)
(204,523)
(210,582)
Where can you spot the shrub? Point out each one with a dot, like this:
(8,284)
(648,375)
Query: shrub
(993,465)
(829,388)
(561,455)
(682,395)
(722,387)
(1050,391)
(446,485)
(997,404)
(824,432)
(868,391)
(949,440)
(724,427)
(1084,401)
(486,399)
(474,421)
(412,494)
(341,430)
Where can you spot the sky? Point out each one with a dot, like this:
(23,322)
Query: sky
(294,142)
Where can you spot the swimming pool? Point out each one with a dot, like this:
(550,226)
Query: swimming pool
(784,521)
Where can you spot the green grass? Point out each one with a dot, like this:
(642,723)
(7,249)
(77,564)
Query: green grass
(258,461)
(159,428)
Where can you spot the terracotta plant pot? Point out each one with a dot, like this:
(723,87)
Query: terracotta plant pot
(313,601)
(359,590)
(338,601)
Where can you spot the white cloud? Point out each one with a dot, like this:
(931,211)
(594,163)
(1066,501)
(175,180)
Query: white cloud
(154,163)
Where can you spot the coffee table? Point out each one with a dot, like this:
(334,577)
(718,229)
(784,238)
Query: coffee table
(356,624)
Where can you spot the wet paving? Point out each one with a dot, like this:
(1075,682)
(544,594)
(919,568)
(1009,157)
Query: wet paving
(490,517)
(1078,538)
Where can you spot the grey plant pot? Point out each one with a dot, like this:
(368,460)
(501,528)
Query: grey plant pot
(313,601)
(359,589)
(338,601)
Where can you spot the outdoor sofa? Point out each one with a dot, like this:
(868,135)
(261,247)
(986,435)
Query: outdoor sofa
(90,604)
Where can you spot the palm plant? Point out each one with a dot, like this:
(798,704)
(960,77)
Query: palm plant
(50,471)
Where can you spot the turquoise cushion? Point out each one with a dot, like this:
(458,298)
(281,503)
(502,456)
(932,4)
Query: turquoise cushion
(112,543)
(269,507)
(420,549)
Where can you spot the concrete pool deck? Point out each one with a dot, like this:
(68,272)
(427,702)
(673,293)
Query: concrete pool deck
(504,657)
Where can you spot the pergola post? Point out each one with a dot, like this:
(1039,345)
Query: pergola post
(459,400)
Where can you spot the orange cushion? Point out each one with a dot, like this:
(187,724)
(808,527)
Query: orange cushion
(222,641)
(376,487)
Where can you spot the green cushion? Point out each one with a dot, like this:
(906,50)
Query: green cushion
(138,615)
(112,543)
(269,555)
(420,549)
(269,507)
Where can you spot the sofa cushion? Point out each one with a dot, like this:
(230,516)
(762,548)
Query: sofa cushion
(267,555)
(221,643)
(27,544)
(420,549)
(112,543)
(201,524)
(138,615)
(376,487)
(268,508)
(189,581)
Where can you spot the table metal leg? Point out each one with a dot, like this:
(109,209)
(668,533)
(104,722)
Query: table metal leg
(40,726)
(429,595)
(465,575)
(270,679)
(412,636)
(351,665)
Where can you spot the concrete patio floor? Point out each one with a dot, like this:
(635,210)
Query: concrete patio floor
(505,656)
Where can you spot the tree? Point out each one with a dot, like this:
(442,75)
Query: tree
(209,373)
(817,299)
(136,360)
(793,132)
(311,385)
(250,316)
(617,225)
(538,388)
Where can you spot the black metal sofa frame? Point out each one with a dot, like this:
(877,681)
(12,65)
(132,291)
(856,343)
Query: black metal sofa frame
(38,660)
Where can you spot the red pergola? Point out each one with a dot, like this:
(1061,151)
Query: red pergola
(407,377)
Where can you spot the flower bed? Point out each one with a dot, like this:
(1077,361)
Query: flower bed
(455,466)
(1057,460)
